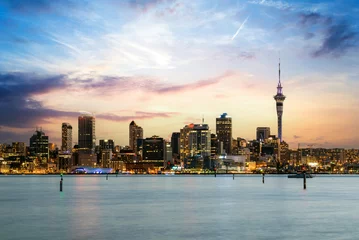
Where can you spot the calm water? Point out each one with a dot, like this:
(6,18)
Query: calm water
(178,207)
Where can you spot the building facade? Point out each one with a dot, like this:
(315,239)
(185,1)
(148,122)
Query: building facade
(66,139)
(135,132)
(224,132)
(154,151)
(86,132)
(262,133)
(199,140)
(175,144)
(39,145)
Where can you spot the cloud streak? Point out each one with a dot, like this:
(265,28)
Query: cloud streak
(137,116)
(240,28)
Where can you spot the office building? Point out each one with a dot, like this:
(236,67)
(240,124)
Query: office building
(154,151)
(175,144)
(224,132)
(199,140)
(66,140)
(86,136)
(262,133)
(39,145)
(135,132)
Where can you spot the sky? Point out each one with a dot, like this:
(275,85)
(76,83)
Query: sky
(168,63)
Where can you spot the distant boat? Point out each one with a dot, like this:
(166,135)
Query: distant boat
(300,175)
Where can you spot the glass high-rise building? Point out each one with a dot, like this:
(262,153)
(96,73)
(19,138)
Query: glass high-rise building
(66,143)
(154,151)
(224,132)
(175,143)
(39,145)
(87,137)
(135,132)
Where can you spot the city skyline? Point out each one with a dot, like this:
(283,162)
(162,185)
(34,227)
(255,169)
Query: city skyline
(149,61)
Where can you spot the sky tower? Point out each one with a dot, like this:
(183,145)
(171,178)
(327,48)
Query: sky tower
(279,99)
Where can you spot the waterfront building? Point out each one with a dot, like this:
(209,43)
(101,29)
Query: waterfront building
(86,132)
(176,143)
(184,142)
(262,133)
(106,156)
(135,132)
(64,162)
(214,145)
(195,139)
(199,140)
(224,132)
(66,139)
(39,145)
(154,149)
(279,99)
(84,158)
(168,155)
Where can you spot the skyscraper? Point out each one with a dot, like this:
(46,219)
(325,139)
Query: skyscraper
(224,132)
(135,132)
(87,137)
(39,145)
(262,133)
(154,151)
(175,143)
(66,144)
(279,99)
(199,140)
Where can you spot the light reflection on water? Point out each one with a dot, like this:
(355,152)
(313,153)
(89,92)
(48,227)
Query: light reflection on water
(178,207)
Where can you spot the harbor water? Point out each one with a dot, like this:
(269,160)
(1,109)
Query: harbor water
(178,207)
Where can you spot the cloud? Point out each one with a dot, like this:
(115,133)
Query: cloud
(312,18)
(146,5)
(193,86)
(137,116)
(19,91)
(36,6)
(282,5)
(17,103)
(338,39)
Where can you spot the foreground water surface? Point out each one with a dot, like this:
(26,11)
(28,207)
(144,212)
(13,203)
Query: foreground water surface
(178,207)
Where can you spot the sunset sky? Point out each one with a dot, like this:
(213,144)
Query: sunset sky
(164,64)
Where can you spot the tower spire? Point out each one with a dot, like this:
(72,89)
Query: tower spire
(279,73)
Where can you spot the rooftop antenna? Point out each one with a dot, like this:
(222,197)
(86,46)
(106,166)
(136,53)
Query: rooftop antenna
(202,118)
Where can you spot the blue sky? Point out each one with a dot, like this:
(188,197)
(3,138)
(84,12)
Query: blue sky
(167,63)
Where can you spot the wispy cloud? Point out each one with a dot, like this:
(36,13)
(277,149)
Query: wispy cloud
(193,86)
(137,116)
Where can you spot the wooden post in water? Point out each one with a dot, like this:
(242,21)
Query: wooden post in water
(215,173)
(305,180)
(60,185)
(233,176)
(263,178)
(106,176)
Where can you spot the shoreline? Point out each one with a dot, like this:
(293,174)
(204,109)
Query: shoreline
(162,174)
